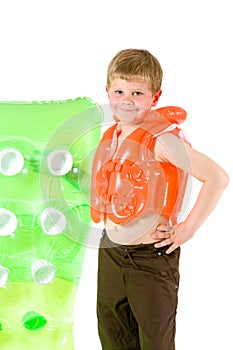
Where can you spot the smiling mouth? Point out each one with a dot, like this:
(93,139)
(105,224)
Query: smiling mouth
(129,109)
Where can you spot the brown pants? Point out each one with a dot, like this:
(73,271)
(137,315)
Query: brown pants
(137,296)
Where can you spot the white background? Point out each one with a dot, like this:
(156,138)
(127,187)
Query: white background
(53,49)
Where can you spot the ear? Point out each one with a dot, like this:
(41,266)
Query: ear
(106,89)
(156,98)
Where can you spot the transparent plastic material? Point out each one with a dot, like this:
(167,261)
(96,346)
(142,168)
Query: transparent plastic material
(8,222)
(11,161)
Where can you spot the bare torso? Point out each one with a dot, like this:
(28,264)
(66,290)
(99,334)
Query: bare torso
(137,231)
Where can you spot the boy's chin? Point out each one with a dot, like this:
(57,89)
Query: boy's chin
(130,119)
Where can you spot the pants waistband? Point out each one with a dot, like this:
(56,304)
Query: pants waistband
(107,243)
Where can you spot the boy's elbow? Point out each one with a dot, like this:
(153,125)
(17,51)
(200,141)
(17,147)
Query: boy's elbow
(219,179)
(224,179)
(227,180)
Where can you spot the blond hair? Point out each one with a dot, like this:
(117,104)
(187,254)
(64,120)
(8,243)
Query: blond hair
(135,64)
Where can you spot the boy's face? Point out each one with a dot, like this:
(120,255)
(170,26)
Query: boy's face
(131,100)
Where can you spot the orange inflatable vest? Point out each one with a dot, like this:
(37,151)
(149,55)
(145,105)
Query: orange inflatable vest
(127,181)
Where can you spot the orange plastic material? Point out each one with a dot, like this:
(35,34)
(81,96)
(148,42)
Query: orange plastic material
(127,181)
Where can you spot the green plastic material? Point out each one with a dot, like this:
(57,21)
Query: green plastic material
(33,321)
(46,153)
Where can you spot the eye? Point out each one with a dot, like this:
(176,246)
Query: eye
(137,93)
(118,92)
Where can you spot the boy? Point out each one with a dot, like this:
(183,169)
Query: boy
(139,176)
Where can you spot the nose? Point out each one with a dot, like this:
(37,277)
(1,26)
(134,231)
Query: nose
(128,99)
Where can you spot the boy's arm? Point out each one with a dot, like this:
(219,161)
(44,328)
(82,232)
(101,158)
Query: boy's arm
(214,181)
